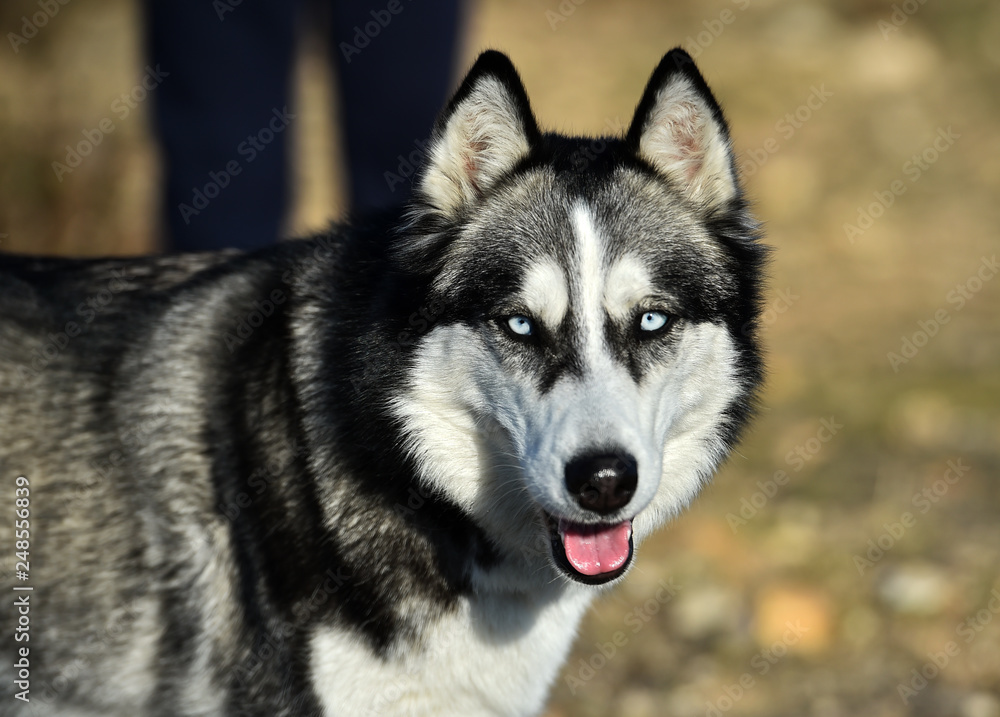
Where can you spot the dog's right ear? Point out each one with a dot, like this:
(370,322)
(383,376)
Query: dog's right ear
(680,131)
(483,133)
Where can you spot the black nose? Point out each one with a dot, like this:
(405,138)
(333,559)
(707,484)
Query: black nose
(602,483)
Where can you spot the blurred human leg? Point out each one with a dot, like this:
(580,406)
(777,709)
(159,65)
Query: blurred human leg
(223,119)
(395,63)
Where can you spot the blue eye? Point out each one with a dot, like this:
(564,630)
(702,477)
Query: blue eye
(520,325)
(653,321)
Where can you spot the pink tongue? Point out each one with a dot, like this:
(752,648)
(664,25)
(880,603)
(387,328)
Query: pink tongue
(596,549)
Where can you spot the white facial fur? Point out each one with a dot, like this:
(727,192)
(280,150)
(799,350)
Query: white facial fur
(489,439)
(545,293)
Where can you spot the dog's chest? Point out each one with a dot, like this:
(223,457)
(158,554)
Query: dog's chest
(494,656)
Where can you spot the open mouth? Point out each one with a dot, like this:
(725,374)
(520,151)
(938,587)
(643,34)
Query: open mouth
(591,553)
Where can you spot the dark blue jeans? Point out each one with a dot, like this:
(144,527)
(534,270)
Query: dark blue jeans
(224,117)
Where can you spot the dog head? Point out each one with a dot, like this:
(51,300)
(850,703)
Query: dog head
(593,355)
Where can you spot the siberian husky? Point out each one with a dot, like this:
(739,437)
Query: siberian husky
(383,471)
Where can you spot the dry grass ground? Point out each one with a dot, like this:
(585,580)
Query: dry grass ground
(781,536)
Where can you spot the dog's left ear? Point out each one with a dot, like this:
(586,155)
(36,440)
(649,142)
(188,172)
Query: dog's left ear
(483,133)
(679,129)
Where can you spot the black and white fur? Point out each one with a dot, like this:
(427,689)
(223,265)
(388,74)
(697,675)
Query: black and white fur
(358,506)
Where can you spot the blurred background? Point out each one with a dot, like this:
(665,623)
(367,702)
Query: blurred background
(846,561)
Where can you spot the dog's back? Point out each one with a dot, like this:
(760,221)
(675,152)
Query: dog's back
(90,603)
